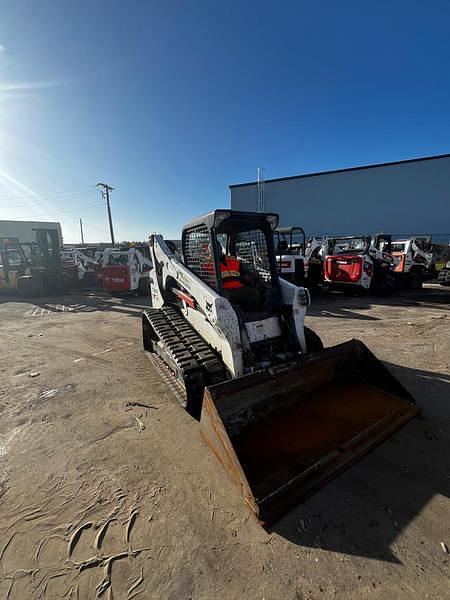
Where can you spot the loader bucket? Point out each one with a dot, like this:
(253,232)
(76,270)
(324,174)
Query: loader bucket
(283,433)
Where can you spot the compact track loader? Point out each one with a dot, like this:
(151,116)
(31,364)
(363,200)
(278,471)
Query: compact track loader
(359,263)
(281,413)
(412,263)
(126,270)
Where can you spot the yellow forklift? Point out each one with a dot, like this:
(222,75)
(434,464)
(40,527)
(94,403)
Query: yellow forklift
(35,269)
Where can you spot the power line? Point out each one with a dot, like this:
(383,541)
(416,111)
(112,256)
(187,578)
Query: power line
(62,212)
(93,227)
(41,200)
(48,194)
(104,232)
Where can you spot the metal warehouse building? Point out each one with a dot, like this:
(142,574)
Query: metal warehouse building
(409,196)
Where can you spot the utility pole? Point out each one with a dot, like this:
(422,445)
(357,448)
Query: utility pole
(81,229)
(105,191)
(260,190)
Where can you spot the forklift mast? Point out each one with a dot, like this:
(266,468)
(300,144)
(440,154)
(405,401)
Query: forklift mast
(48,254)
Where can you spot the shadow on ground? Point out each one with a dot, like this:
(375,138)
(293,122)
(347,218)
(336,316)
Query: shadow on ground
(333,305)
(88,301)
(339,305)
(363,511)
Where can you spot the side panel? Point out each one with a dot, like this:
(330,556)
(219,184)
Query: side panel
(226,338)
(349,270)
(133,262)
(299,299)
(286,264)
(116,278)
(213,316)
(263,330)
(343,269)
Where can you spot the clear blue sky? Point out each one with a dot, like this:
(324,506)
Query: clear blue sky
(171,101)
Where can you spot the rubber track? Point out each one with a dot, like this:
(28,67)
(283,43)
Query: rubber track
(168,377)
(185,352)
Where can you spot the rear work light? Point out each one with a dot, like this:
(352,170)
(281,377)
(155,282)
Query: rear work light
(368,268)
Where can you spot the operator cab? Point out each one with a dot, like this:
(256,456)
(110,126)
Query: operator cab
(290,250)
(348,245)
(246,237)
(290,240)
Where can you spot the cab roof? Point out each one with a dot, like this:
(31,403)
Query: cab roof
(221,216)
(289,230)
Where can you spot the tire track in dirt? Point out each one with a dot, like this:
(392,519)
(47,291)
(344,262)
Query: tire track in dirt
(60,544)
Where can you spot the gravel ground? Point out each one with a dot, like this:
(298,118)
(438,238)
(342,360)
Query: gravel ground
(100,499)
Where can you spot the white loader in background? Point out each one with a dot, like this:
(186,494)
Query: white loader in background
(89,269)
(412,263)
(282,414)
(298,261)
(290,248)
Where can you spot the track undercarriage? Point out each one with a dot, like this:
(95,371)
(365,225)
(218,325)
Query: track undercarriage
(193,363)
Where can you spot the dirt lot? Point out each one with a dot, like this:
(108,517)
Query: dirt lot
(94,506)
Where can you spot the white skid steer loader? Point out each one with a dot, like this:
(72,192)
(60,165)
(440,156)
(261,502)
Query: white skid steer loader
(411,262)
(281,413)
(298,261)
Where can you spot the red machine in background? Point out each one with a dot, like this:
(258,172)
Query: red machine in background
(359,262)
(126,270)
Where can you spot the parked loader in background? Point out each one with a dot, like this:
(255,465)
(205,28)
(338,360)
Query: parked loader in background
(316,251)
(290,248)
(359,263)
(411,262)
(282,414)
(89,269)
(298,261)
(126,270)
(35,269)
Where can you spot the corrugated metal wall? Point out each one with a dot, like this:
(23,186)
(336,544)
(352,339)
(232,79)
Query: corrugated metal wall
(410,197)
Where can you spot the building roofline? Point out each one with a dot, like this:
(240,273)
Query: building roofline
(374,166)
